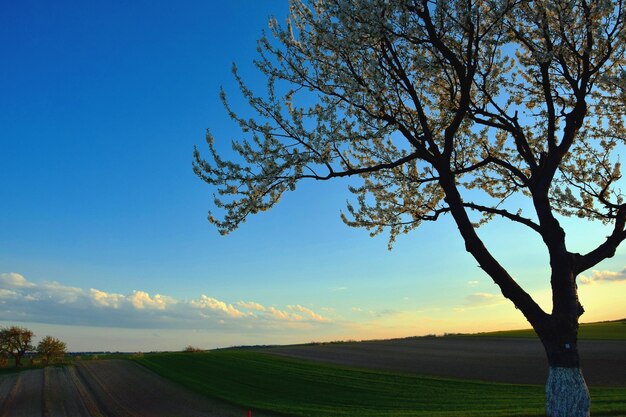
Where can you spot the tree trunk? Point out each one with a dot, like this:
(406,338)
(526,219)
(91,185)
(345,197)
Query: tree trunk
(566,393)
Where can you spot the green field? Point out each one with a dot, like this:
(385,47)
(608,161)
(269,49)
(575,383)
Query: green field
(302,388)
(608,330)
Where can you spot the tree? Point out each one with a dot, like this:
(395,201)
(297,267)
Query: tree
(476,109)
(15,341)
(51,348)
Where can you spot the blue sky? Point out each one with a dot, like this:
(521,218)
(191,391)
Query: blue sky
(104,240)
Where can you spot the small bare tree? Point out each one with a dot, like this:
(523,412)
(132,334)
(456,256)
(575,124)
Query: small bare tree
(470,108)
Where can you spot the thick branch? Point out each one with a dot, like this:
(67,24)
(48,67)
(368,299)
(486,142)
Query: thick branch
(474,245)
(606,249)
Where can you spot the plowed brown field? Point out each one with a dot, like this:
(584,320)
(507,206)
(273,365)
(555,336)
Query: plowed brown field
(108,388)
(490,359)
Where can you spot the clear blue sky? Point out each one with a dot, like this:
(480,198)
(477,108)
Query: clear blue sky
(103,233)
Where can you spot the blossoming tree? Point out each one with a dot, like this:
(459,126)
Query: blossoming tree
(449,107)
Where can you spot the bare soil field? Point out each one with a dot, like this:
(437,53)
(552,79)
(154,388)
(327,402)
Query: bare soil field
(490,359)
(111,388)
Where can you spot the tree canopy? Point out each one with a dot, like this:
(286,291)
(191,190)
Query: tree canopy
(51,348)
(447,107)
(15,341)
(470,108)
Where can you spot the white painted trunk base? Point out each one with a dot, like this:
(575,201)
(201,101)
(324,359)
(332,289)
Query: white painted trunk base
(566,393)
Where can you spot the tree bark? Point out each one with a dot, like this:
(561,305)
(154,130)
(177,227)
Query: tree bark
(566,393)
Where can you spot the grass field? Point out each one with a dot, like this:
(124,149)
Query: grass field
(302,388)
(608,330)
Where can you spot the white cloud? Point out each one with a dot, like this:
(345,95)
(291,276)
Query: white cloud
(7,293)
(141,300)
(54,303)
(282,315)
(104,299)
(473,283)
(61,293)
(19,285)
(251,305)
(606,276)
(13,280)
(216,305)
(307,311)
(481,299)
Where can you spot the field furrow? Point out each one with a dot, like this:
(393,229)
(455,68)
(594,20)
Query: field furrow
(86,396)
(127,389)
(101,389)
(25,398)
(62,396)
(109,388)
(7,384)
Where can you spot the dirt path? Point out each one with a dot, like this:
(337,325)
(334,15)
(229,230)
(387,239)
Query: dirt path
(492,359)
(108,388)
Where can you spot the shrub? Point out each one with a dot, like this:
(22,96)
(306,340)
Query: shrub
(192,349)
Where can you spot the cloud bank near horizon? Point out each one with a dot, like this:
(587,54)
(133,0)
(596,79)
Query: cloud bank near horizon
(53,303)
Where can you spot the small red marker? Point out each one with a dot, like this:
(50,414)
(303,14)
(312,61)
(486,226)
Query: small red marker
(249,413)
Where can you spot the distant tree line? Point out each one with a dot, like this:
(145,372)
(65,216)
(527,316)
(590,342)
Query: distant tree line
(17,341)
